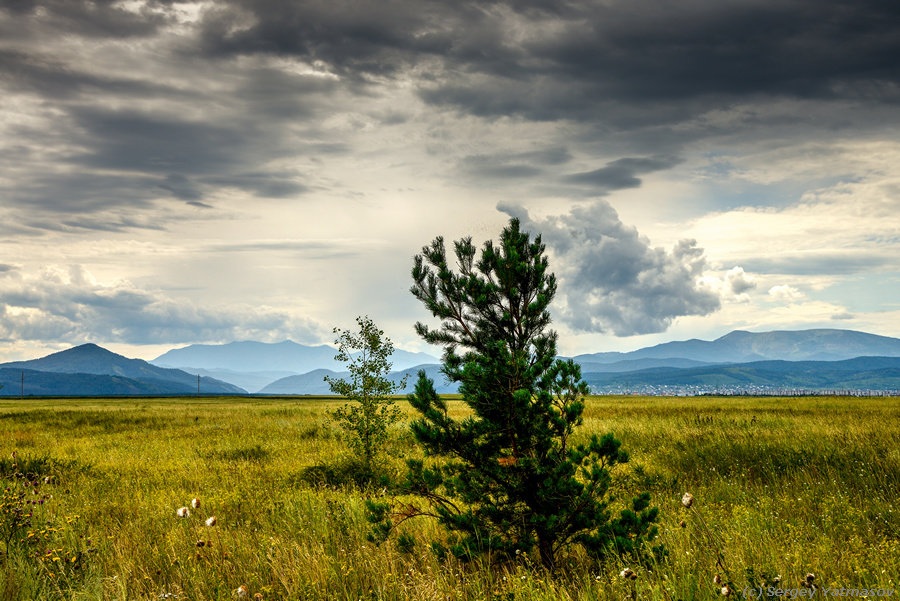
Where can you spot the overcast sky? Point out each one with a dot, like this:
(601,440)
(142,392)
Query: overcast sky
(183,172)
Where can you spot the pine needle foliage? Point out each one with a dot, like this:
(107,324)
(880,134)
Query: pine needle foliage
(509,478)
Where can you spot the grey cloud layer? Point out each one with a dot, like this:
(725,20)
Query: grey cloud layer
(620,174)
(57,305)
(91,19)
(88,132)
(825,262)
(613,280)
(640,51)
(202,119)
(585,60)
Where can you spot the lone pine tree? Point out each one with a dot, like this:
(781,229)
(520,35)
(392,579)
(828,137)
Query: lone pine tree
(509,478)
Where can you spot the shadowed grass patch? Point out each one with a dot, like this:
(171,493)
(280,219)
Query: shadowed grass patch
(40,466)
(87,420)
(252,453)
(344,473)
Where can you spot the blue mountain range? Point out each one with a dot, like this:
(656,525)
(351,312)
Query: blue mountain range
(810,359)
(90,370)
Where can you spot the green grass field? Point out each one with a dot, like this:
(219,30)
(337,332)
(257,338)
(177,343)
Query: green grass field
(784,486)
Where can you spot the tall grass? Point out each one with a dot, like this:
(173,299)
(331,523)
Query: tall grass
(786,487)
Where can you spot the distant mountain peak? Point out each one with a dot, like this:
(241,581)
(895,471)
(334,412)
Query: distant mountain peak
(739,346)
(87,346)
(735,334)
(88,349)
(91,359)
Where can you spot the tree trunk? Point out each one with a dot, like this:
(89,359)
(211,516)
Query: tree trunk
(548,558)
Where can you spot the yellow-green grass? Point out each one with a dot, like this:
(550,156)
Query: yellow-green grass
(784,486)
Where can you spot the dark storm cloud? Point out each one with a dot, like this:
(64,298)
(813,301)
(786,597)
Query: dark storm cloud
(132,159)
(693,54)
(613,279)
(279,95)
(83,192)
(181,187)
(57,80)
(556,60)
(134,141)
(91,223)
(100,135)
(84,196)
(513,165)
(117,224)
(548,156)
(676,50)
(616,175)
(199,205)
(365,38)
(265,185)
(87,18)
(621,174)
(483,166)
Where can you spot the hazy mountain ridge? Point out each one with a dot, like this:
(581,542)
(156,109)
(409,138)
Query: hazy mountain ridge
(714,363)
(111,374)
(48,383)
(870,373)
(287,356)
(250,356)
(314,381)
(743,347)
(861,373)
(873,364)
(251,381)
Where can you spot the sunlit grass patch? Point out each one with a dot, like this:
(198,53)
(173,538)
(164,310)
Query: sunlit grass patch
(789,486)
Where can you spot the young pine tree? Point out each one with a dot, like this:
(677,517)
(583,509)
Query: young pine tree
(366,420)
(510,478)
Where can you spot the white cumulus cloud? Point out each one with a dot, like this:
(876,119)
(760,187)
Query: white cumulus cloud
(784,292)
(612,279)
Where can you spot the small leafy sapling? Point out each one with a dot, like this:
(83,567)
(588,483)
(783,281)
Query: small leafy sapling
(367,419)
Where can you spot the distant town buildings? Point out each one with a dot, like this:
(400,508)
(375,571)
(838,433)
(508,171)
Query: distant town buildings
(672,390)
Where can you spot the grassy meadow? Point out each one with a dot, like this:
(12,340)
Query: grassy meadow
(782,486)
